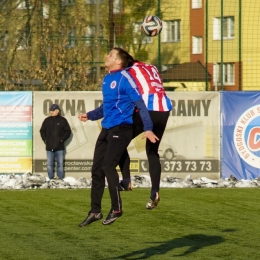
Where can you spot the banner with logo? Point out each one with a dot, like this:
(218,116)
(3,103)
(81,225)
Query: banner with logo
(190,144)
(240,134)
(15,132)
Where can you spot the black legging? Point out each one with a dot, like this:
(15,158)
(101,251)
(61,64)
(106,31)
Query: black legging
(107,154)
(159,123)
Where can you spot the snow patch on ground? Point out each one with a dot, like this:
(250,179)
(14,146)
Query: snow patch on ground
(39,181)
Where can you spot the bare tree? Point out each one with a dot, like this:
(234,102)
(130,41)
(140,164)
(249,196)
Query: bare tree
(44,45)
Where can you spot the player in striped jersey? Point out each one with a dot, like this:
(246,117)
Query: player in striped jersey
(150,86)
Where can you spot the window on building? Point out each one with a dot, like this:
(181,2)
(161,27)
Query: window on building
(139,36)
(171,31)
(68,2)
(22,40)
(196,4)
(23,4)
(91,32)
(3,40)
(228,73)
(228,28)
(23,37)
(196,44)
(45,10)
(71,38)
(117,6)
(91,2)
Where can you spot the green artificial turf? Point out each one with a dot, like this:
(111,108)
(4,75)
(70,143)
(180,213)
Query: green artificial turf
(187,224)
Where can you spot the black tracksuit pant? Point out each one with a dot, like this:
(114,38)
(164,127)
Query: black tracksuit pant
(110,145)
(159,124)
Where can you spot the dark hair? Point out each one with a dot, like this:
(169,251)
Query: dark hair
(125,57)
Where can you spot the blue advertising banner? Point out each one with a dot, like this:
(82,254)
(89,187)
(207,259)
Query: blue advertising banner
(21,130)
(240,144)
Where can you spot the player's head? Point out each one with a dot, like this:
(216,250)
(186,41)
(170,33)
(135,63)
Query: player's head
(118,58)
(124,56)
(54,110)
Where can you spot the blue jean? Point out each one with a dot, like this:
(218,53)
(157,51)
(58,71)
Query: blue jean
(59,156)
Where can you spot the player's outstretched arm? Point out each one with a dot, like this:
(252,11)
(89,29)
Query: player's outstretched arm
(92,115)
(83,117)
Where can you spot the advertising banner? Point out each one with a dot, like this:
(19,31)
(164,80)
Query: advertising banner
(240,134)
(15,132)
(80,145)
(15,164)
(190,144)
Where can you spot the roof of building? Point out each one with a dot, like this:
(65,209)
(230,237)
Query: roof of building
(188,71)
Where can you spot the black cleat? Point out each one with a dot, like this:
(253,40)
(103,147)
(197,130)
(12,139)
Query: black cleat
(92,217)
(112,216)
(125,187)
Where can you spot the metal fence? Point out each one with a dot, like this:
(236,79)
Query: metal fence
(60,45)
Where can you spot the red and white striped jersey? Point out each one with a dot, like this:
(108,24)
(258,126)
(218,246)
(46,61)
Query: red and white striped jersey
(149,83)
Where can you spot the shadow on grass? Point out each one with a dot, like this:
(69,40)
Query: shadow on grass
(194,242)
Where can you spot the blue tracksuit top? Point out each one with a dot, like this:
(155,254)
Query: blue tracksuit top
(120,96)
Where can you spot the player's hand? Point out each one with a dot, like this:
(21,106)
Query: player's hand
(151,136)
(83,117)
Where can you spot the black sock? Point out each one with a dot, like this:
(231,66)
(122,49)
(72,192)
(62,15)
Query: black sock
(153,194)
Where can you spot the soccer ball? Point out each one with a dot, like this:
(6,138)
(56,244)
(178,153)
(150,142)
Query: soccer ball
(151,25)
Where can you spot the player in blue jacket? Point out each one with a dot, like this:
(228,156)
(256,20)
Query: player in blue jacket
(120,97)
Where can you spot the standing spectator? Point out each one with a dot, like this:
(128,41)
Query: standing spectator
(55,130)
(120,96)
